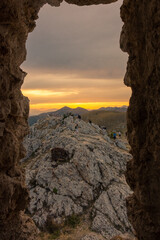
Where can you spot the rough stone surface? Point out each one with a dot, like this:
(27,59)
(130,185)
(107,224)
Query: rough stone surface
(141,39)
(119,143)
(76,169)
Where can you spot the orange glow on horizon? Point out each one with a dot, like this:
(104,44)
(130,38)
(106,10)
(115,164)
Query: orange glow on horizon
(87,105)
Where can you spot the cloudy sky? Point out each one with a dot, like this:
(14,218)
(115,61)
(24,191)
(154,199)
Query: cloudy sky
(73,58)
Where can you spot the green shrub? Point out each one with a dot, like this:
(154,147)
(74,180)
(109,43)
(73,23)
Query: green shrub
(111,135)
(53,227)
(55,190)
(54,235)
(72,221)
(41,235)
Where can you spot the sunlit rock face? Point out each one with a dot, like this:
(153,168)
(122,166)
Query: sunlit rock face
(141,39)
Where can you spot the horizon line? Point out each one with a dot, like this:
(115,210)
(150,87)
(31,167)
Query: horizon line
(51,107)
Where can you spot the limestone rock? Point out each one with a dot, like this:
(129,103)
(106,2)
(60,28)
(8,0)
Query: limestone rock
(75,168)
(119,143)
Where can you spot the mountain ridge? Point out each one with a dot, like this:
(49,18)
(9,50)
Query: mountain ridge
(77,111)
(58,113)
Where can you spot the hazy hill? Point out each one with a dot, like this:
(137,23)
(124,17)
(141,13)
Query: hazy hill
(58,113)
(114,109)
(111,117)
(111,120)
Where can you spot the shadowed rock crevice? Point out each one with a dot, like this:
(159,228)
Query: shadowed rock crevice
(60,155)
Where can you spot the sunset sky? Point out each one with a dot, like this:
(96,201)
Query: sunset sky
(73,59)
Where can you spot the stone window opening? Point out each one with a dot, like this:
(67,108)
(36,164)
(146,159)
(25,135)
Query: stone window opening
(139,39)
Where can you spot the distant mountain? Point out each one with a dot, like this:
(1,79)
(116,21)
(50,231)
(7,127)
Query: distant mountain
(114,109)
(79,111)
(58,113)
(75,111)
(61,111)
(66,110)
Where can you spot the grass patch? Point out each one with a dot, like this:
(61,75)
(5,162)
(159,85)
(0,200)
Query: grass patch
(54,235)
(51,236)
(41,235)
(55,190)
(72,221)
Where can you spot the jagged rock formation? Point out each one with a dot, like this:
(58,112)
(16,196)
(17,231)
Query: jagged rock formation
(141,39)
(74,167)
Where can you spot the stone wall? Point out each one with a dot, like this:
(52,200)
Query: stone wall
(140,38)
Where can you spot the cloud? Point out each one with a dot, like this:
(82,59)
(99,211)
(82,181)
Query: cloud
(74,57)
(47,93)
(80,40)
(97,91)
(38,80)
(43,88)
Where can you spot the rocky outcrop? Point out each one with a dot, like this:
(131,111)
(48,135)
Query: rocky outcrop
(141,39)
(74,169)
